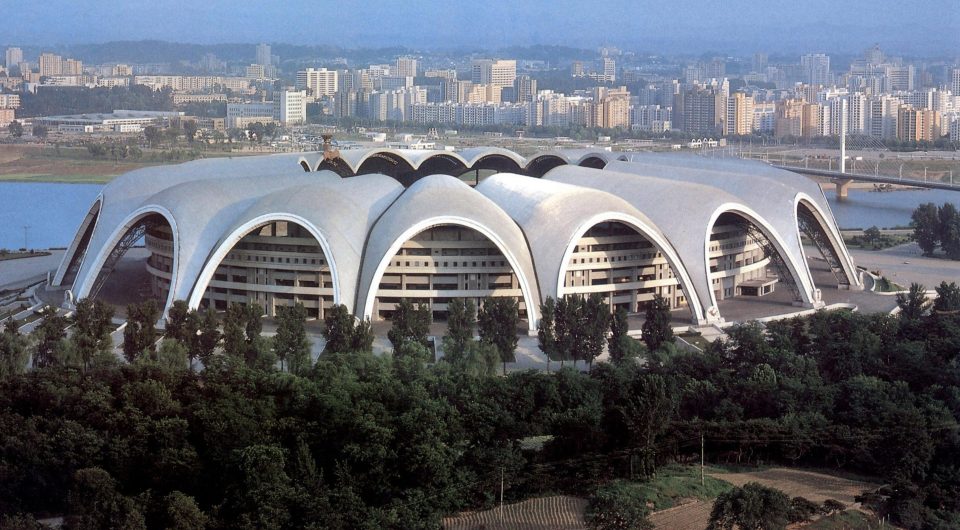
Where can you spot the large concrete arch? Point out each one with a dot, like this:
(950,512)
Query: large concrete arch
(652,235)
(530,299)
(114,239)
(833,234)
(554,215)
(76,252)
(437,200)
(227,244)
(799,271)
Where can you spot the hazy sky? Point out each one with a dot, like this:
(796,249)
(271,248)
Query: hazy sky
(735,26)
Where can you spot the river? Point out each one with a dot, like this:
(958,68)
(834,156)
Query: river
(52,211)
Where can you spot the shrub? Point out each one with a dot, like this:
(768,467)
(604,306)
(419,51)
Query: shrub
(618,506)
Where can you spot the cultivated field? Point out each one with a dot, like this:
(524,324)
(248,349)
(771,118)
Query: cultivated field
(816,487)
(547,513)
(565,512)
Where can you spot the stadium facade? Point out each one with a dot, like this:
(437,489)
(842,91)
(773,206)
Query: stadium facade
(367,228)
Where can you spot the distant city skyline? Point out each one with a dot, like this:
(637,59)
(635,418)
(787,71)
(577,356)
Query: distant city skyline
(734,26)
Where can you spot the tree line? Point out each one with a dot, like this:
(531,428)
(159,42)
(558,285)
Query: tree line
(83,100)
(264,437)
(937,226)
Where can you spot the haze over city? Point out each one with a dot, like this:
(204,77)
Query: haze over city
(735,26)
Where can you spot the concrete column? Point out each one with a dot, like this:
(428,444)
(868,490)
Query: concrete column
(842,186)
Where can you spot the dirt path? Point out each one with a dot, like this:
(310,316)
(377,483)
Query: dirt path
(816,487)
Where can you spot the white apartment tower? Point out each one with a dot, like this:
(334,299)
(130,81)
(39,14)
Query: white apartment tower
(499,73)
(263,54)
(816,68)
(14,56)
(290,107)
(318,83)
(406,67)
(50,64)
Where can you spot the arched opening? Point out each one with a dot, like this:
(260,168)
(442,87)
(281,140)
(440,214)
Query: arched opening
(439,164)
(490,165)
(386,164)
(274,263)
(830,268)
(78,248)
(594,162)
(305,165)
(140,265)
(443,262)
(337,165)
(616,260)
(540,165)
(747,270)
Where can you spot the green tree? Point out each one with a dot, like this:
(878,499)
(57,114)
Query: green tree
(91,333)
(497,322)
(234,326)
(948,297)
(619,326)
(596,323)
(96,503)
(152,134)
(753,507)
(190,130)
(461,322)
(564,324)
(207,336)
(913,303)
(139,336)
(926,227)
(949,230)
(340,330)
(546,329)
(40,131)
(409,324)
(180,512)
(290,343)
(13,350)
(49,333)
(15,128)
(618,506)
(178,325)
(657,330)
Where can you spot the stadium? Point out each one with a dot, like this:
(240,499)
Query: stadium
(368,227)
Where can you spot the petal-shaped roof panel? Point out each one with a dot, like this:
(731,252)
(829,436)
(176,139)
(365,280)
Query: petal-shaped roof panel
(554,216)
(443,200)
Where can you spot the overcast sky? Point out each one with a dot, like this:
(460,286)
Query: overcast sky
(732,26)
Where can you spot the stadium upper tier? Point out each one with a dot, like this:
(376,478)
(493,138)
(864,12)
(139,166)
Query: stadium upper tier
(366,228)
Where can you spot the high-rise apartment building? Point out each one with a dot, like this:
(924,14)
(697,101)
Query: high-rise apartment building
(615,110)
(525,89)
(406,67)
(256,71)
(50,64)
(72,67)
(319,83)
(789,118)
(917,125)
(700,110)
(499,73)
(898,77)
(609,69)
(739,120)
(263,55)
(955,81)
(816,68)
(290,107)
(759,62)
(14,57)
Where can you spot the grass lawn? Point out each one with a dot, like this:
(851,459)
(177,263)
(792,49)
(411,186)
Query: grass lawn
(884,285)
(4,256)
(676,482)
(78,178)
